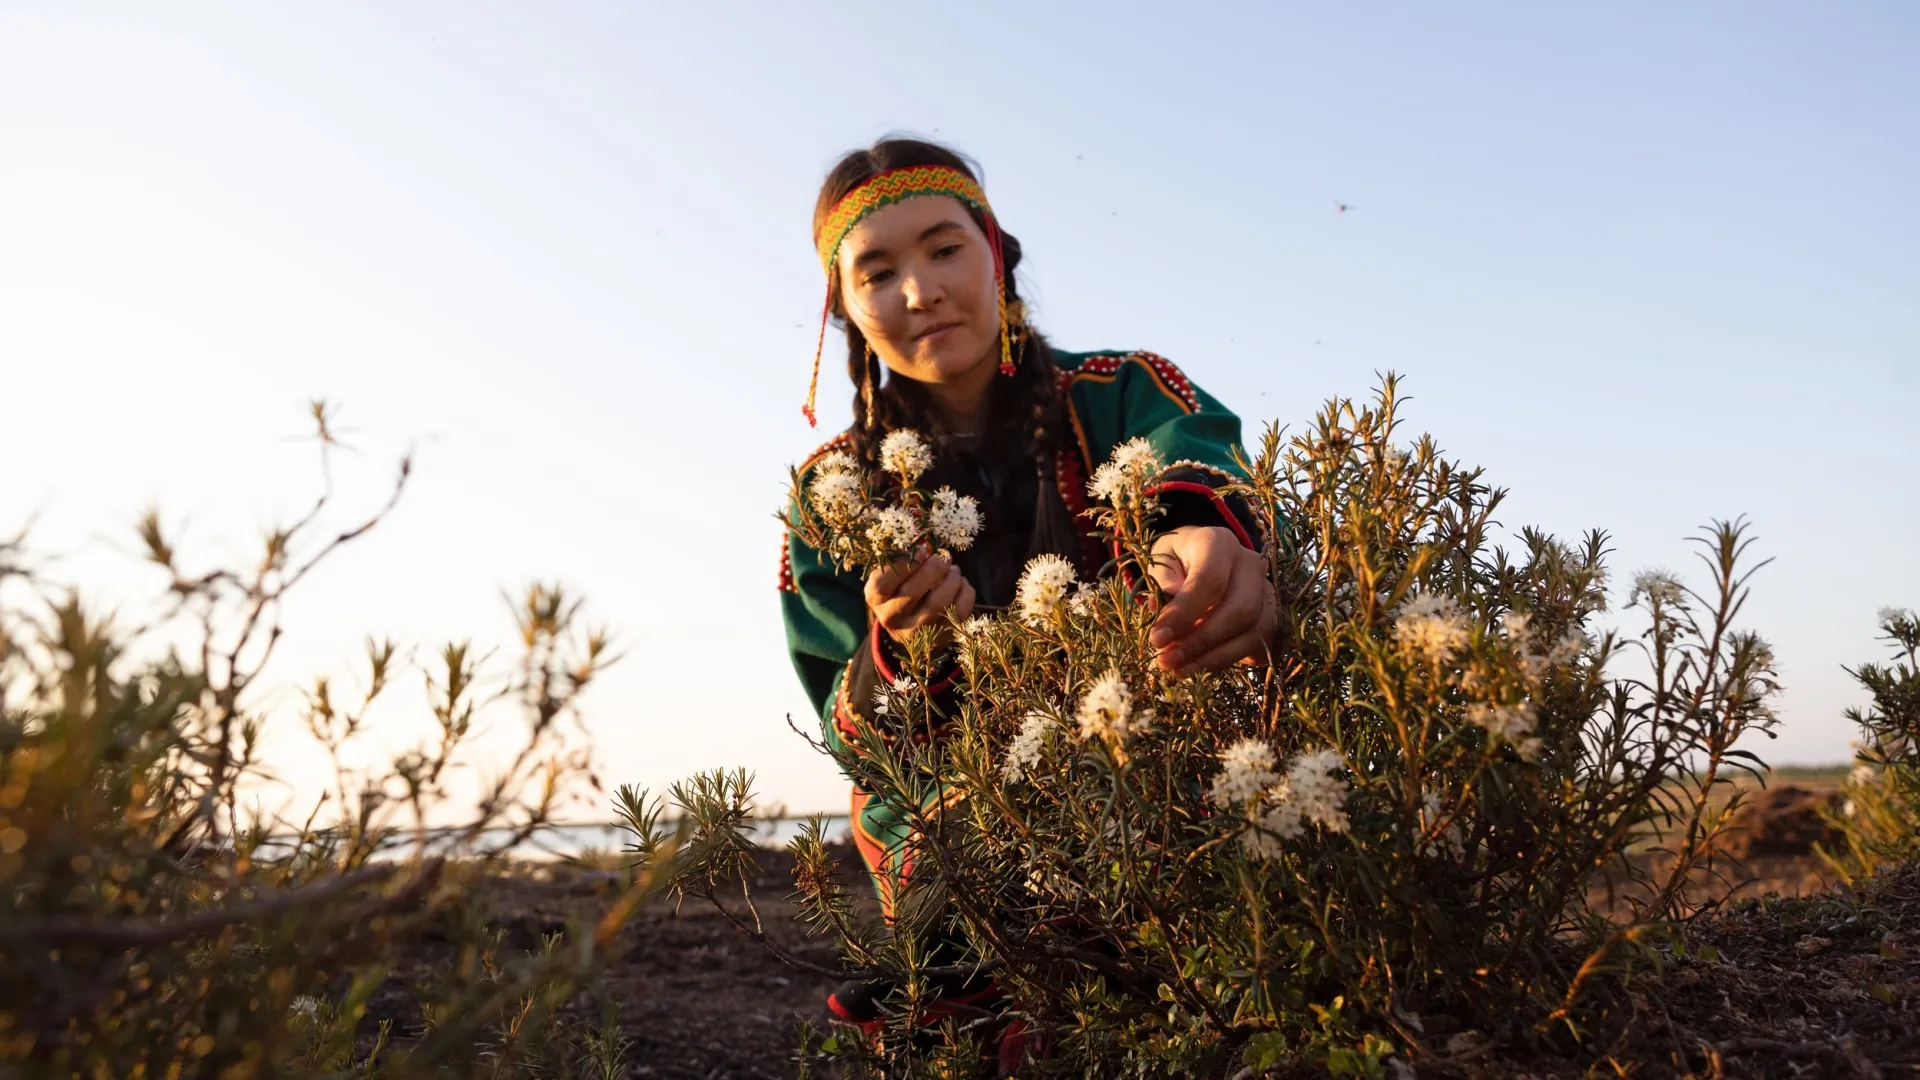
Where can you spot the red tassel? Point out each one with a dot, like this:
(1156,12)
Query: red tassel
(813,386)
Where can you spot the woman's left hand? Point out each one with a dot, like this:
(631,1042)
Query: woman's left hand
(1222,608)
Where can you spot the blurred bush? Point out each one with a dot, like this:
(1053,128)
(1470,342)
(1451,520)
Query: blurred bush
(158,925)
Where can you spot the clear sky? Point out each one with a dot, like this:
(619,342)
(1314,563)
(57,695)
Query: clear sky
(1650,264)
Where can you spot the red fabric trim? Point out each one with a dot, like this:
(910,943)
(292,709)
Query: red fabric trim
(1220,504)
(1018,1042)
(786,562)
(886,670)
(846,1015)
(1070,477)
(1126,569)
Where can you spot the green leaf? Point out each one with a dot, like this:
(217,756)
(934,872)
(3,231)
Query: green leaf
(1265,1051)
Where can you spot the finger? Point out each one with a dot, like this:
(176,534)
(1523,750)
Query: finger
(895,610)
(1208,572)
(934,604)
(1234,649)
(895,615)
(963,607)
(931,573)
(1237,613)
(882,582)
(1167,570)
(942,596)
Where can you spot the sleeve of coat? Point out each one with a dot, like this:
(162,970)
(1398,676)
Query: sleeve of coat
(1117,397)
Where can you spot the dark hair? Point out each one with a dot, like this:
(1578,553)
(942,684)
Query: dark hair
(1023,412)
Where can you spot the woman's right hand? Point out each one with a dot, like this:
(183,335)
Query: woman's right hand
(908,595)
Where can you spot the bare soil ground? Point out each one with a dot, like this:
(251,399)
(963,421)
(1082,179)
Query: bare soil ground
(1796,979)
(698,997)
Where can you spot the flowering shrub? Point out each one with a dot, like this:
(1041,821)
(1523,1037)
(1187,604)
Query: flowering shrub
(1881,817)
(1375,844)
(158,922)
(861,520)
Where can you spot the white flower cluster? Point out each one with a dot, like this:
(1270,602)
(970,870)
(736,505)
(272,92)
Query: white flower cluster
(1534,664)
(1077,604)
(837,492)
(894,526)
(954,519)
(1043,588)
(841,495)
(906,455)
(1024,751)
(1508,724)
(1126,472)
(891,699)
(1280,807)
(1107,712)
(1246,770)
(974,639)
(1657,587)
(1320,795)
(1432,626)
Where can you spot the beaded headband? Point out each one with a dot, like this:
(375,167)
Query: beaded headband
(885,189)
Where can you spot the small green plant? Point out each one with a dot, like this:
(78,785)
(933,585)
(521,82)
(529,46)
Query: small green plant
(1881,816)
(606,1048)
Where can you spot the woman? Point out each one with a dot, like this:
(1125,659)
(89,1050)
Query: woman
(921,278)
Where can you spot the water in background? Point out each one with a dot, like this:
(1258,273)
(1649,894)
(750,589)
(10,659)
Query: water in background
(560,841)
(565,840)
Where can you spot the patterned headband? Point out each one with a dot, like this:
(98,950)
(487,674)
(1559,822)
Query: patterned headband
(885,189)
(891,187)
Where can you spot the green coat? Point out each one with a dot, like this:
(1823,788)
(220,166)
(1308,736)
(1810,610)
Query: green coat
(1112,397)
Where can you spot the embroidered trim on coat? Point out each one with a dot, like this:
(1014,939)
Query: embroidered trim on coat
(1170,379)
(838,442)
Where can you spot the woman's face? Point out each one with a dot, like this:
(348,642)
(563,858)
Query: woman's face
(917,279)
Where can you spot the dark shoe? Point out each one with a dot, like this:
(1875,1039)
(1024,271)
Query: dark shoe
(858,1003)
